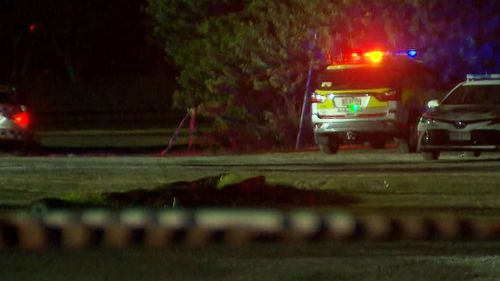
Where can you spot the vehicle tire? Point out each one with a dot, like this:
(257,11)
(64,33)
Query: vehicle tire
(378,143)
(412,135)
(332,147)
(430,155)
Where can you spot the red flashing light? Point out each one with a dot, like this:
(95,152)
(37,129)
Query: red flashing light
(32,27)
(22,119)
(355,57)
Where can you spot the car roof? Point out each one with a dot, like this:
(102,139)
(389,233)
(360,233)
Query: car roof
(482,82)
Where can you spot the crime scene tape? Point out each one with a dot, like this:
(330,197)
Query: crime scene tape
(197,228)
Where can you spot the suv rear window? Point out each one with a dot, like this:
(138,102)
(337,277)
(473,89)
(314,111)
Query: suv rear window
(358,78)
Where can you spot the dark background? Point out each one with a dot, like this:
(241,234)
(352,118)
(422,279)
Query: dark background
(86,64)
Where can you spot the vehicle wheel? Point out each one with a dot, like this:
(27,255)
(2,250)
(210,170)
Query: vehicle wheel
(430,155)
(377,144)
(412,137)
(332,147)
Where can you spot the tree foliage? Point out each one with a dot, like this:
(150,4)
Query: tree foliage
(453,37)
(244,62)
(459,36)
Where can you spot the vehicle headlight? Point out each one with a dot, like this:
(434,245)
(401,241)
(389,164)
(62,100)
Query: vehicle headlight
(428,120)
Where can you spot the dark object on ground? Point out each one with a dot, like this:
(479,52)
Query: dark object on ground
(251,192)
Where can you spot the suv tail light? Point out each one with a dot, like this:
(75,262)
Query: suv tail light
(315,98)
(21,119)
(388,96)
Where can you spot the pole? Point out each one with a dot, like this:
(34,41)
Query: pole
(192,127)
(172,140)
(306,94)
(304,104)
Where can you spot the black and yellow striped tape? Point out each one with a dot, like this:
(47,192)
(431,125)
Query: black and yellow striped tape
(196,228)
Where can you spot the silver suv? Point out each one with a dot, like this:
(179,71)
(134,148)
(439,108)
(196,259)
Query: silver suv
(467,119)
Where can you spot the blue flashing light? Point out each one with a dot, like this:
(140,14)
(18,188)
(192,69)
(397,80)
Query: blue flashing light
(412,53)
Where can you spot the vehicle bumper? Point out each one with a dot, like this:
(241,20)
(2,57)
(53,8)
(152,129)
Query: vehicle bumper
(438,139)
(355,131)
(13,135)
(461,147)
(354,125)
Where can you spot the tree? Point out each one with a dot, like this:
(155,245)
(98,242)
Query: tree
(453,37)
(459,36)
(243,61)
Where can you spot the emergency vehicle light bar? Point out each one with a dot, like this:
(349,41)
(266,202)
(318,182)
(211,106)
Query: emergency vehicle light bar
(476,77)
(374,56)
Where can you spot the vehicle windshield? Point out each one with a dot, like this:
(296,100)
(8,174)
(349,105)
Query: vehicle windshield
(475,95)
(358,78)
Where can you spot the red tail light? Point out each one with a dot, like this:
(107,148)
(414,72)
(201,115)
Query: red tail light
(315,98)
(388,96)
(22,119)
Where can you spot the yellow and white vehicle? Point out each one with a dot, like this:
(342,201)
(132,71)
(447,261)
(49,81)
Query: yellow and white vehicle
(371,97)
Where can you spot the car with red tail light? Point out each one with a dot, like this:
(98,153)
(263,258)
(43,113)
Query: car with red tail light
(15,120)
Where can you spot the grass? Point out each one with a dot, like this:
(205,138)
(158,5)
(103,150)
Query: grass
(109,138)
(467,188)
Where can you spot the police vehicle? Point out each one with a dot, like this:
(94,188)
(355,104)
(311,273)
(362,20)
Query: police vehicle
(14,118)
(467,119)
(370,97)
